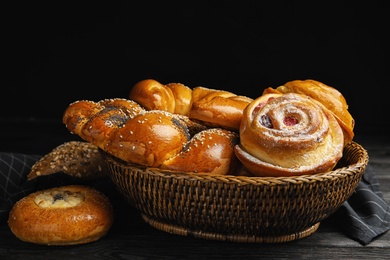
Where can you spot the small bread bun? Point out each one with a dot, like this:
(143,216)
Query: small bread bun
(67,215)
(217,108)
(152,95)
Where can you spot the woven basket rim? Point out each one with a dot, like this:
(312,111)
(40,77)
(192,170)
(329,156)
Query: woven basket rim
(238,208)
(355,168)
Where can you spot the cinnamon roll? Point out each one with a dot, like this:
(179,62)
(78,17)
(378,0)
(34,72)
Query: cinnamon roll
(288,134)
(328,96)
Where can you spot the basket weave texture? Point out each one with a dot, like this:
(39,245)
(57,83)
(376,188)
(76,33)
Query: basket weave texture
(238,208)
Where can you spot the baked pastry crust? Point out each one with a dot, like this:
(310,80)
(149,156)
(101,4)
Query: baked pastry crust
(210,107)
(75,158)
(154,138)
(328,96)
(288,134)
(66,215)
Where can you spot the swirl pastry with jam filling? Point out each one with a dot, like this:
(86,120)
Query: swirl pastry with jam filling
(288,134)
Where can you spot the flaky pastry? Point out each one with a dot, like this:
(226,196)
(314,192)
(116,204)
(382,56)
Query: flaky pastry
(330,97)
(288,134)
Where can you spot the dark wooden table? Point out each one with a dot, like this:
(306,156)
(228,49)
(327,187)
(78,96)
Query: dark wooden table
(131,238)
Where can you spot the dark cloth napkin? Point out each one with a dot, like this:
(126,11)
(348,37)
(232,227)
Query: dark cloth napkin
(363,217)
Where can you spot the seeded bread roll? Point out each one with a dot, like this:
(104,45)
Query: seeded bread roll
(156,138)
(94,121)
(66,215)
(209,151)
(78,159)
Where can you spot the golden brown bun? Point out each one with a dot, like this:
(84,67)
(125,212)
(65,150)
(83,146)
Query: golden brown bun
(217,108)
(78,159)
(330,97)
(288,134)
(65,215)
(152,95)
(182,96)
(209,151)
(149,138)
(156,138)
(94,121)
(78,113)
(211,107)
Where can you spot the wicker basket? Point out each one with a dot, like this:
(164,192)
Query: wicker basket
(238,208)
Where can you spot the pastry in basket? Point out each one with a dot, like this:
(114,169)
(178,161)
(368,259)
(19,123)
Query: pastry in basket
(154,138)
(77,159)
(94,121)
(289,134)
(330,97)
(211,107)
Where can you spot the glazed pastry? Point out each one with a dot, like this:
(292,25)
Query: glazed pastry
(94,121)
(174,98)
(158,139)
(210,107)
(148,139)
(330,97)
(217,108)
(209,151)
(288,134)
(66,215)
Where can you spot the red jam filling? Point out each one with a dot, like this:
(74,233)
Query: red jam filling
(290,121)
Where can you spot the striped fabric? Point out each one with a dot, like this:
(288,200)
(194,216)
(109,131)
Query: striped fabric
(14,168)
(365,215)
(13,185)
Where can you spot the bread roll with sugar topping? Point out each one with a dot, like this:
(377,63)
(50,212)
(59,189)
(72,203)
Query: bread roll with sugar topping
(328,96)
(288,134)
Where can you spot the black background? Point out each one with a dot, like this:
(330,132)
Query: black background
(61,51)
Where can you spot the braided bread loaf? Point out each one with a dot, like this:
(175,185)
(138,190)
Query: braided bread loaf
(152,138)
(210,107)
